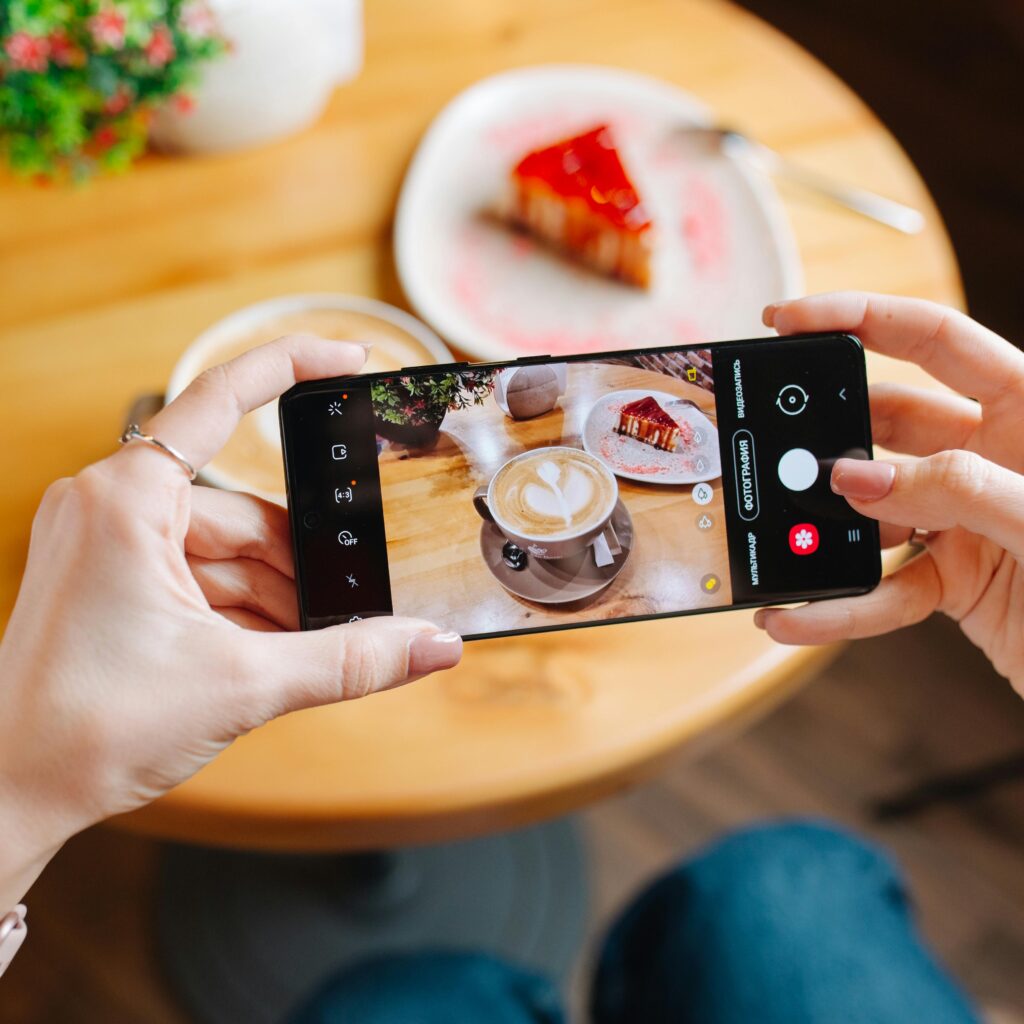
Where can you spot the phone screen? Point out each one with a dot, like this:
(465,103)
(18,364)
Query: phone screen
(539,494)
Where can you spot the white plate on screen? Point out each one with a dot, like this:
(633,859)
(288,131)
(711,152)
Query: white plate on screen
(636,460)
(724,248)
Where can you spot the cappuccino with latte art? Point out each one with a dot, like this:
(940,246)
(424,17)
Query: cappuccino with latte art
(552,493)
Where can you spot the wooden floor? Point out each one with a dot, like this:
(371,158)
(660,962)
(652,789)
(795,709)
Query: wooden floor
(888,713)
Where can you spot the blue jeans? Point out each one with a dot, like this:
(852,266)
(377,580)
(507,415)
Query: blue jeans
(794,923)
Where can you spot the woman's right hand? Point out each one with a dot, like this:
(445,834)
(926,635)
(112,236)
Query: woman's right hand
(156,622)
(962,482)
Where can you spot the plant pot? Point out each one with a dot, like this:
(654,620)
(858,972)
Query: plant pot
(414,435)
(284,62)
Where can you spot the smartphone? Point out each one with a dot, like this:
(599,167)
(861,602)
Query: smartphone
(553,492)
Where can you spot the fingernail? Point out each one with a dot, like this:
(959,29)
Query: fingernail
(862,479)
(364,345)
(768,315)
(431,652)
(762,617)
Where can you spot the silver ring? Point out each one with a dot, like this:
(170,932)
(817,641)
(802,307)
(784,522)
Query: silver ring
(133,433)
(921,537)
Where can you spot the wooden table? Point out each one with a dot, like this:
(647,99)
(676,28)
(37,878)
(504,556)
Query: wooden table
(434,532)
(103,287)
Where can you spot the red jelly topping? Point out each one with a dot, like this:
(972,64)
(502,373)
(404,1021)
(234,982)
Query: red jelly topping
(648,409)
(588,167)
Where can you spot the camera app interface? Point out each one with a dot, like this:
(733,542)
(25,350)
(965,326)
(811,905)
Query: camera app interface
(540,494)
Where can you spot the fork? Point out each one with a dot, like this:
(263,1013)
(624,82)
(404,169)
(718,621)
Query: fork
(868,204)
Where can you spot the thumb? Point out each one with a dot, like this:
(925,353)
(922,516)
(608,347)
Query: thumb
(324,666)
(954,488)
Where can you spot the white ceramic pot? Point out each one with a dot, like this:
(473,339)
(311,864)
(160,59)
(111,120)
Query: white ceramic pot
(286,57)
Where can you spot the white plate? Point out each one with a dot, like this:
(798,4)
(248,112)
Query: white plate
(724,247)
(635,460)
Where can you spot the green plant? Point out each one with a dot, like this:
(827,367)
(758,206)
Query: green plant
(415,401)
(79,79)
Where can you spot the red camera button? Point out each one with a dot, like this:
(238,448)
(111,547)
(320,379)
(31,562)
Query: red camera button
(803,539)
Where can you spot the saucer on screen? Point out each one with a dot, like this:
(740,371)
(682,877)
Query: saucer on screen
(557,581)
(724,248)
(636,460)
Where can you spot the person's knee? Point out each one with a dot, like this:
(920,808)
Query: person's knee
(747,906)
(433,988)
(789,865)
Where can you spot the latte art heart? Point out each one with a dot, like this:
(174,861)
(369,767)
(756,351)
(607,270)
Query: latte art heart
(575,490)
(554,493)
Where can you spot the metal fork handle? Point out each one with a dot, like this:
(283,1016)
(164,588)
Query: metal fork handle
(869,204)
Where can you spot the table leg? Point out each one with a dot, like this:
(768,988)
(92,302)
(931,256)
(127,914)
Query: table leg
(246,936)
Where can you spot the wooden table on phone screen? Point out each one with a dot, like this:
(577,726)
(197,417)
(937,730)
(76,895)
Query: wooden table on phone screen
(103,287)
(434,552)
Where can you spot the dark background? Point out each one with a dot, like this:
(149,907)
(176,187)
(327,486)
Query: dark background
(947,78)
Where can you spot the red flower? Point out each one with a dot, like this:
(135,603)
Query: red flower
(120,101)
(184,104)
(28,53)
(64,51)
(160,48)
(108,27)
(104,137)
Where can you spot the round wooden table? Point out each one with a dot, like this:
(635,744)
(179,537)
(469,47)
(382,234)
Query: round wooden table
(104,286)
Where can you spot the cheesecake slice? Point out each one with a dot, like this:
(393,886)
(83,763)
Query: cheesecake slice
(576,196)
(645,420)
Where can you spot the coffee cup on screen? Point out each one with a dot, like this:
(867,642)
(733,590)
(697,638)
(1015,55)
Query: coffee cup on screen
(552,502)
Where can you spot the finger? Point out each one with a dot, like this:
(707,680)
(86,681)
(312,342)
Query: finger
(910,595)
(248,620)
(341,662)
(939,492)
(249,584)
(228,524)
(201,419)
(892,536)
(919,422)
(952,347)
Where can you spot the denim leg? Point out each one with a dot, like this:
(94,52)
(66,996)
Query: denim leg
(791,923)
(434,988)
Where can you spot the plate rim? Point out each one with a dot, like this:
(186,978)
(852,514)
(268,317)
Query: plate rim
(431,309)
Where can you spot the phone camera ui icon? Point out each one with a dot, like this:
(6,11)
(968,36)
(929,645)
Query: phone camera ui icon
(346,539)
(710,583)
(339,452)
(342,494)
(804,539)
(792,400)
(702,494)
